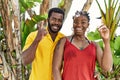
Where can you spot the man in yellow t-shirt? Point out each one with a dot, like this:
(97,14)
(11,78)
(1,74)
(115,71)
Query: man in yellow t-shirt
(40,45)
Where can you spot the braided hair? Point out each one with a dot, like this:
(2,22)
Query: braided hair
(83,13)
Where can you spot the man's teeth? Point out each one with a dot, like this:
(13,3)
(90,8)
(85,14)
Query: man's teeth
(55,27)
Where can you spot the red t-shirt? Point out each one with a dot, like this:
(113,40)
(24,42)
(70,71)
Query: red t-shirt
(79,64)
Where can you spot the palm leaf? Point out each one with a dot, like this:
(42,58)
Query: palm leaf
(115,23)
(110,17)
(102,13)
(105,4)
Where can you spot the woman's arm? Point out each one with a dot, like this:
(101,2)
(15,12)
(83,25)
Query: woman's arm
(58,59)
(105,57)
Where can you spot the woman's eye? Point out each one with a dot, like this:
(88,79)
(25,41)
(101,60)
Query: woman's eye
(77,22)
(84,22)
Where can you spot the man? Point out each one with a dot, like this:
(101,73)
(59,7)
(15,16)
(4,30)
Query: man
(40,45)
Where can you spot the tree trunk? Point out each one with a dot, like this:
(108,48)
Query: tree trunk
(11,27)
(17,39)
(66,7)
(44,7)
(87,5)
(5,12)
(8,42)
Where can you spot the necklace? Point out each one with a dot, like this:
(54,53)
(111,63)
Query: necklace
(82,44)
(81,48)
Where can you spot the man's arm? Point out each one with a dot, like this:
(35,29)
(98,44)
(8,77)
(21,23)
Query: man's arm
(28,55)
(58,59)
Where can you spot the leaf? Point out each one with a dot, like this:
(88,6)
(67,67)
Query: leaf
(61,4)
(93,35)
(102,13)
(112,45)
(116,60)
(29,26)
(39,1)
(117,43)
(111,17)
(117,52)
(35,19)
(0,19)
(24,6)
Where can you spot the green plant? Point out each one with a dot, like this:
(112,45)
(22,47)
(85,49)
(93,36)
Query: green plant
(28,25)
(115,46)
(112,15)
(111,18)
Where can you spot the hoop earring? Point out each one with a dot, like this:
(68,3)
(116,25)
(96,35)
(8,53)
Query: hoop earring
(72,28)
(88,30)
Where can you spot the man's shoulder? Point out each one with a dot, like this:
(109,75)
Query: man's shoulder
(61,34)
(33,33)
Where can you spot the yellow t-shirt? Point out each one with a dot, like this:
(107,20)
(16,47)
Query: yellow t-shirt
(42,64)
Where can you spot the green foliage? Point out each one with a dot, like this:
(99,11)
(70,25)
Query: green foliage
(27,4)
(1,29)
(29,26)
(115,46)
(112,18)
(94,35)
(0,19)
(1,35)
(116,55)
(61,3)
(117,42)
(35,19)
(1,77)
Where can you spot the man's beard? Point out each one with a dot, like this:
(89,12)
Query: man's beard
(49,26)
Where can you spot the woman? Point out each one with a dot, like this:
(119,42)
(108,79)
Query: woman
(79,54)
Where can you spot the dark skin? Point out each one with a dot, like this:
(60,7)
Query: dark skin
(55,21)
(80,25)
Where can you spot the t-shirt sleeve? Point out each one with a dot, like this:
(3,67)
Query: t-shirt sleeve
(29,40)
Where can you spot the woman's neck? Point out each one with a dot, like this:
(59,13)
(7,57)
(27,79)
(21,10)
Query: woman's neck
(79,38)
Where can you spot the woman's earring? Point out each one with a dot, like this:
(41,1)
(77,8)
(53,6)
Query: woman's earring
(72,28)
(88,30)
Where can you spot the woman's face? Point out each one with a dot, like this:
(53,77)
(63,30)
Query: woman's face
(80,24)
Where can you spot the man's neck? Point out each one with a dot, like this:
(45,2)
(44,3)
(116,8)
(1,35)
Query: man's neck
(53,35)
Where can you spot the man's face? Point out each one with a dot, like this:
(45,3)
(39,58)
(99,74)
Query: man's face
(55,22)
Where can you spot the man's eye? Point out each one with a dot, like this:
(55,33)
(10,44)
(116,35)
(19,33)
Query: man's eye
(53,19)
(60,20)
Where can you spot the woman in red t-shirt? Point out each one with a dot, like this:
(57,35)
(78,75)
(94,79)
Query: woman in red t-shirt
(79,54)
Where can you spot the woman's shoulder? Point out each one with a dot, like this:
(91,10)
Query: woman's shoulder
(63,39)
(67,38)
(96,44)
